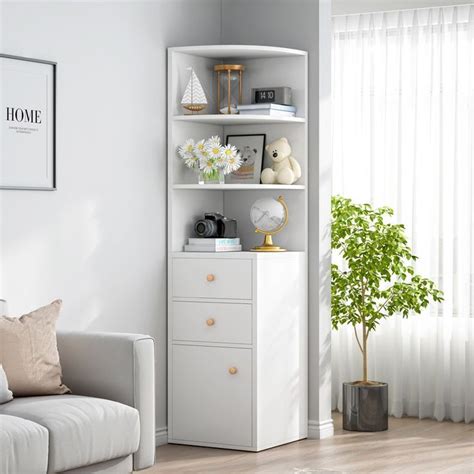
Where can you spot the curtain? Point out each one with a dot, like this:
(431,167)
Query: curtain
(403,97)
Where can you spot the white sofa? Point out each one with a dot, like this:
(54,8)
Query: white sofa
(107,424)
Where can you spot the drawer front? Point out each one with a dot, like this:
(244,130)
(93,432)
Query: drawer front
(212,278)
(212,322)
(209,404)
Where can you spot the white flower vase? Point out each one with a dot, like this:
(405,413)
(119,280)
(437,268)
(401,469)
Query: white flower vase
(216,177)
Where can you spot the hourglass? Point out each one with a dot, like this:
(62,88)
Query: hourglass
(229,87)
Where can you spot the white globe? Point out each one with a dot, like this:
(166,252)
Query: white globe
(267,214)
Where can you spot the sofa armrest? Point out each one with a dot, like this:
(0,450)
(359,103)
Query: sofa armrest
(118,367)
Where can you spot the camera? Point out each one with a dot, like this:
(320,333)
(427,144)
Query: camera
(215,225)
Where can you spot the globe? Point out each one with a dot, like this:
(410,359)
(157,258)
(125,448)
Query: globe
(269,216)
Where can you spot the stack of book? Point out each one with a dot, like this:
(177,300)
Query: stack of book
(213,245)
(275,110)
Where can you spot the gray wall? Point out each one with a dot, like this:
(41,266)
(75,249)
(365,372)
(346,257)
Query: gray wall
(303,24)
(99,241)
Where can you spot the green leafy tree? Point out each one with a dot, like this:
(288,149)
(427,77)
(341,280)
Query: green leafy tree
(376,279)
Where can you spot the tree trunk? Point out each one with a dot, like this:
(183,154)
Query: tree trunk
(364,352)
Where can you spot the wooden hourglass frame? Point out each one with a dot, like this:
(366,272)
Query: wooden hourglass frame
(228,69)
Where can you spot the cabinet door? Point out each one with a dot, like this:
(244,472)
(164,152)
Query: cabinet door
(210,404)
(212,278)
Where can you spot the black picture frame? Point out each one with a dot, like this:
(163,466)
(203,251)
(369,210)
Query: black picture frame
(253,148)
(52,123)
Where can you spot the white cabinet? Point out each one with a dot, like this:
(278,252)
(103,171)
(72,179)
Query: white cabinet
(245,311)
(238,369)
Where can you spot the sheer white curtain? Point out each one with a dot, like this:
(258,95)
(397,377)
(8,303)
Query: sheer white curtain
(403,136)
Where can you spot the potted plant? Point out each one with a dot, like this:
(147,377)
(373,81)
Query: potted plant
(372,278)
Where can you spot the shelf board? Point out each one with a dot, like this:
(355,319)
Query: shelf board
(217,119)
(238,187)
(236,51)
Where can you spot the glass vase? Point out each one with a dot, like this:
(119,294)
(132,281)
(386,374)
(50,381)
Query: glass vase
(215,177)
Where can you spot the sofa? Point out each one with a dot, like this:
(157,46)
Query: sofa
(107,424)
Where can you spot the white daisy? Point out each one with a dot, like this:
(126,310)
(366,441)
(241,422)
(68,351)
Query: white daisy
(208,165)
(191,161)
(186,150)
(200,149)
(221,160)
(214,150)
(232,159)
(214,140)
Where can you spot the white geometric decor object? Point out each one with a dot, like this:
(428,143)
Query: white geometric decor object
(194,98)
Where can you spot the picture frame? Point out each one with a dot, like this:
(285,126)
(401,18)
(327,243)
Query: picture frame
(251,147)
(28,123)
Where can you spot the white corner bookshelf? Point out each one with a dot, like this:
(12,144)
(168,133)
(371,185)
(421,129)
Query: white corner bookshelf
(257,302)
(265,66)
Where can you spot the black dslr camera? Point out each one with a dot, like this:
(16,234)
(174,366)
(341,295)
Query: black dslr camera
(216,225)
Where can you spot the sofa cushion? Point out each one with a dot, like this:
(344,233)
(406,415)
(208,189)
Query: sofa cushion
(82,430)
(23,446)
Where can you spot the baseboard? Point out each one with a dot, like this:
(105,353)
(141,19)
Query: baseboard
(161,436)
(316,430)
(320,429)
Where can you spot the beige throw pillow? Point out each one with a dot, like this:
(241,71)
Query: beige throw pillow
(29,352)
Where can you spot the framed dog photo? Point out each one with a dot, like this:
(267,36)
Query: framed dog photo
(251,148)
(28,123)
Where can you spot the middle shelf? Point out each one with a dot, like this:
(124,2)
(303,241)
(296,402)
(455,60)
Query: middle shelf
(236,187)
(220,119)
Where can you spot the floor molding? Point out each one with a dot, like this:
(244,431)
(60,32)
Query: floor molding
(320,429)
(316,430)
(161,436)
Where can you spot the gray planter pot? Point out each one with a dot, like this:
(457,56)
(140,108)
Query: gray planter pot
(365,407)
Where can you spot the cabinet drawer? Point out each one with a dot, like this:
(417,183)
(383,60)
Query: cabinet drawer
(212,322)
(209,404)
(212,278)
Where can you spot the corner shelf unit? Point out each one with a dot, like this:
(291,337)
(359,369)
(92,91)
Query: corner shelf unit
(187,201)
(264,328)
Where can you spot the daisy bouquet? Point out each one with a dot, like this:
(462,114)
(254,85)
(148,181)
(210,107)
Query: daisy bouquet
(210,157)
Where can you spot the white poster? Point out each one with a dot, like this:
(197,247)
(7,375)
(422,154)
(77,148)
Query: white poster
(27,129)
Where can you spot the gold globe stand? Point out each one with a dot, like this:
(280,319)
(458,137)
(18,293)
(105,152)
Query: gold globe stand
(268,240)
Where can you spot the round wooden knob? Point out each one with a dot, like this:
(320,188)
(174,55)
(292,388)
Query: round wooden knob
(211,277)
(210,322)
(233,370)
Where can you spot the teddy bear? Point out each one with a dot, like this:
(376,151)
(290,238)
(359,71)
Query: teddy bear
(285,169)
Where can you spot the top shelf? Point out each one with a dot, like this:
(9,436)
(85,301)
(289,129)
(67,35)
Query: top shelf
(238,51)
(221,119)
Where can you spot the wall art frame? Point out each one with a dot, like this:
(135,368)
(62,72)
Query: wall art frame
(28,123)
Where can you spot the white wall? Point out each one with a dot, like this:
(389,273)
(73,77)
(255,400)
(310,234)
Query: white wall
(343,7)
(99,241)
(304,24)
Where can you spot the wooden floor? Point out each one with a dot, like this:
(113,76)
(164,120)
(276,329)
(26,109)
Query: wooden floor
(410,445)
